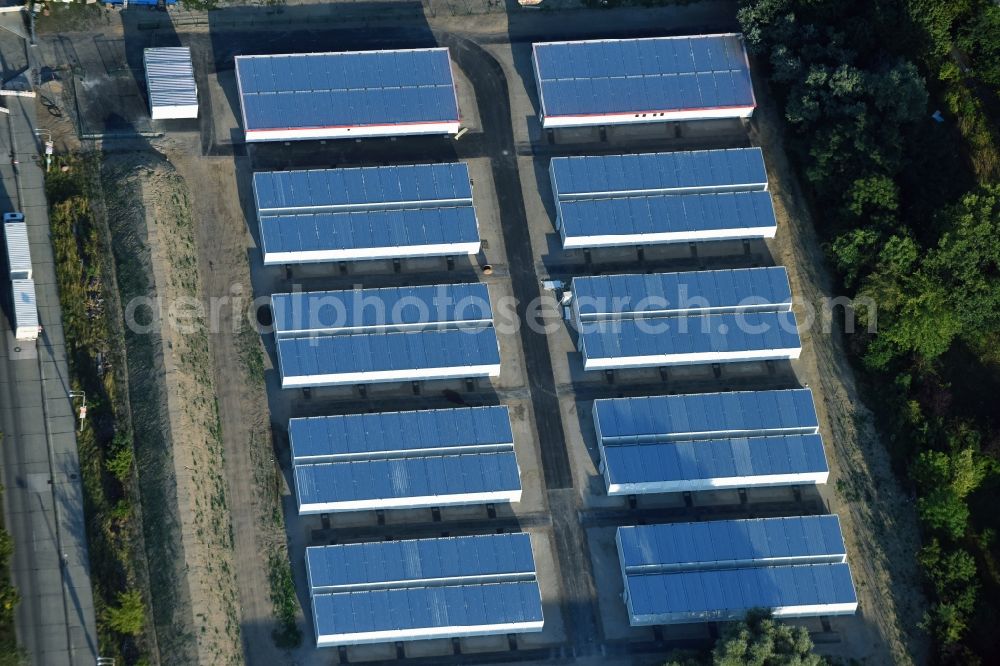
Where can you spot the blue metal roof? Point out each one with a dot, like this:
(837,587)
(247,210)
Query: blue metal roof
(724,593)
(717,333)
(362,188)
(386,307)
(427,607)
(673,461)
(642,75)
(346,89)
(341,354)
(588,176)
(419,561)
(360,436)
(662,214)
(704,415)
(728,543)
(355,230)
(401,478)
(609,296)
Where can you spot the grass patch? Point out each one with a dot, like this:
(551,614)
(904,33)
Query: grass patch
(88,302)
(287,634)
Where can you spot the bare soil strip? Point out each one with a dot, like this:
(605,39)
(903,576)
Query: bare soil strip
(178,435)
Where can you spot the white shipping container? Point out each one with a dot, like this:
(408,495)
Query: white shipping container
(25,310)
(173,92)
(18,251)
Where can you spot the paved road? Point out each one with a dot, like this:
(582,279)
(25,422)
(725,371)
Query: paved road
(43,502)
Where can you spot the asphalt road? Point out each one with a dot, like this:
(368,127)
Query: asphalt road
(43,498)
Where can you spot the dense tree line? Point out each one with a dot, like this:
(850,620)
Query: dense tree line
(890,111)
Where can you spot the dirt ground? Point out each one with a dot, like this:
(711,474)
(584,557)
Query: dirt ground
(149,207)
(878,520)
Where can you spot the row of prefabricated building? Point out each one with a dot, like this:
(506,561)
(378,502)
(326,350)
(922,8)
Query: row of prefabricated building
(476,585)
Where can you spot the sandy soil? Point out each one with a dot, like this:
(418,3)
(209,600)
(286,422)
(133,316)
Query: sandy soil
(254,482)
(145,190)
(878,519)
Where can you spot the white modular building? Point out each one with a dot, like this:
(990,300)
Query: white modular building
(363,336)
(25,310)
(711,441)
(347,95)
(661,319)
(451,587)
(365,213)
(18,250)
(404,460)
(645,80)
(717,571)
(170,83)
(654,198)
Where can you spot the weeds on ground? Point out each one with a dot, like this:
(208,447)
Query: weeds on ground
(95,363)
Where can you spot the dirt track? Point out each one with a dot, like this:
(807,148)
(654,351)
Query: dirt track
(878,520)
(178,442)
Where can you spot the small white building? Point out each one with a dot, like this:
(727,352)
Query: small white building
(170,83)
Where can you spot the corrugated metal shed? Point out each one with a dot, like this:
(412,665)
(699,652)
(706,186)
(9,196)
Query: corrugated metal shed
(393,434)
(366,213)
(716,338)
(706,416)
(689,466)
(430,588)
(351,94)
(18,250)
(362,188)
(170,82)
(393,308)
(404,459)
(610,81)
(669,294)
(681,172)
(387,357)
(25,310)
(650,220)
(727,594)
(730,544)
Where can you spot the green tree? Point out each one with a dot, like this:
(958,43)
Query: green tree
(760,640)
(119,460)
(129,616)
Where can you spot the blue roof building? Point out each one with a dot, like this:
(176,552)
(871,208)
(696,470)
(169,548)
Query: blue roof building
(343,95)
(366,213)
(384,592)
(702,416)
(385,335)
(414,459)
(718,570)
(616,81)
(654,198)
